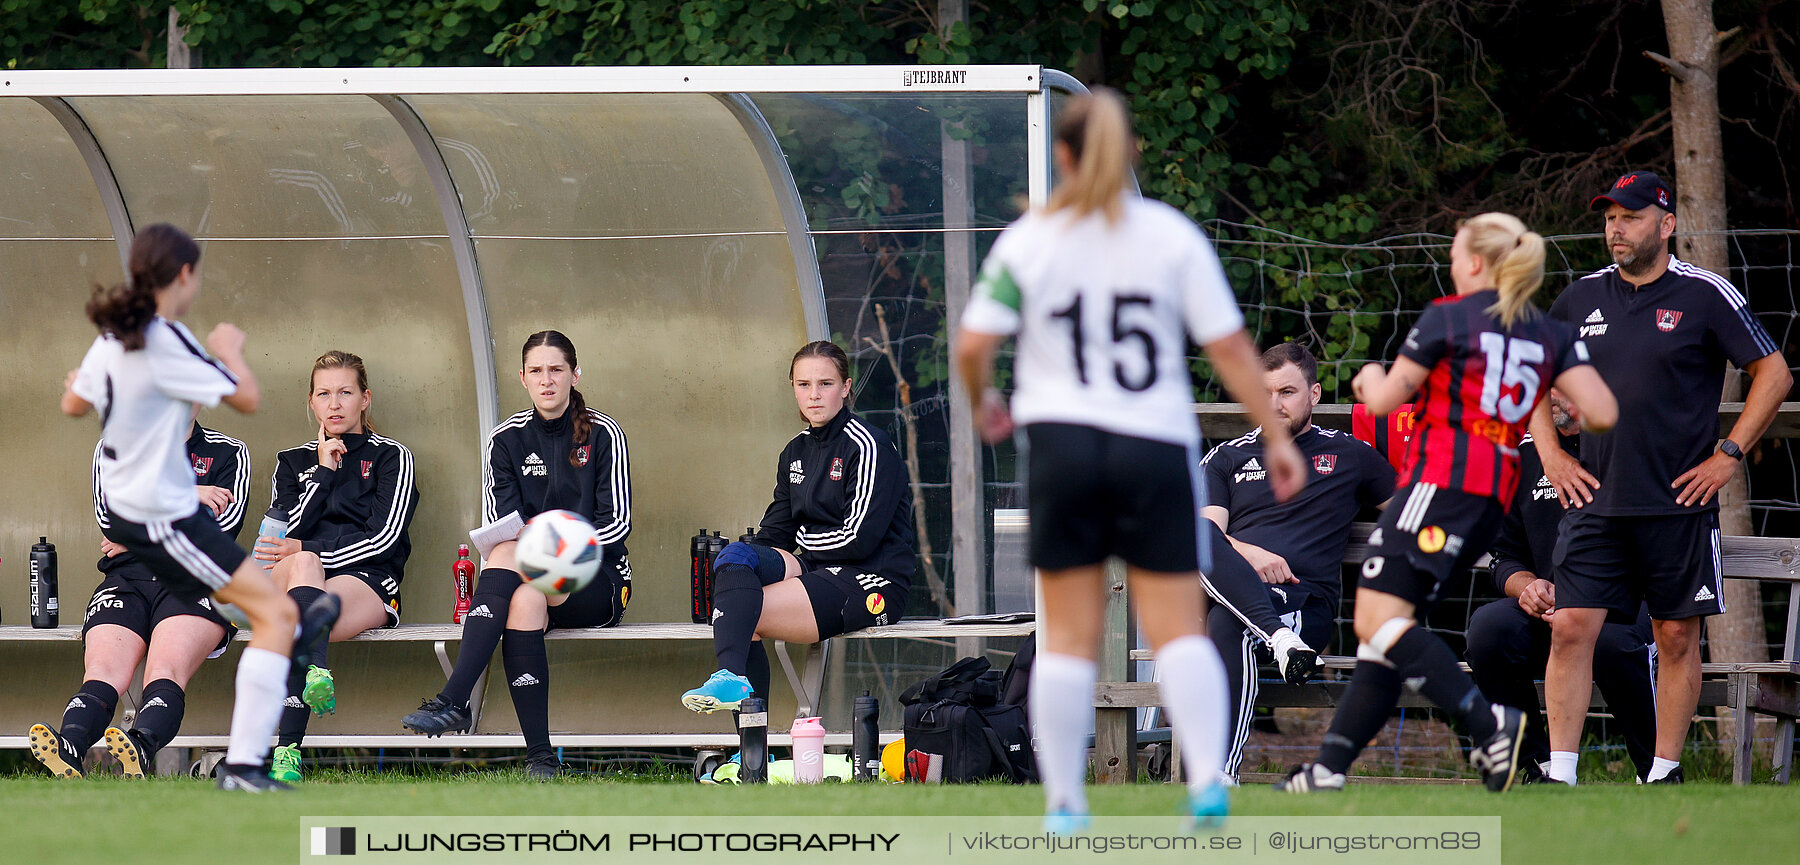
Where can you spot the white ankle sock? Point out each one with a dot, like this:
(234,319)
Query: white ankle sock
(1193,694)
(261,688)
(1562,766)
(1660,769)
(1062,710)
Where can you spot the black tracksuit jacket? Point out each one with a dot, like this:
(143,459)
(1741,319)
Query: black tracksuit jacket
(356,517)
(841,496)
(527,469)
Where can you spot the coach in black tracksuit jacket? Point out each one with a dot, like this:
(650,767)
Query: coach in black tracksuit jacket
(1508,648)
(355,519)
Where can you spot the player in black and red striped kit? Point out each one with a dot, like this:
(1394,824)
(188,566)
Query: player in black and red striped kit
(1480,361)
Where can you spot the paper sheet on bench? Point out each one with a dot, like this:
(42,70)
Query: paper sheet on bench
(493,534)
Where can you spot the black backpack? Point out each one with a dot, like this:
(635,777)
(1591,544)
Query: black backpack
(956,721)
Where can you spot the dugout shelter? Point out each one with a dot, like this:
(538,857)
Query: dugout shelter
(428,220)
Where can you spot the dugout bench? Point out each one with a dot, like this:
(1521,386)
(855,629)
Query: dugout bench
(1771,688)
(806,678)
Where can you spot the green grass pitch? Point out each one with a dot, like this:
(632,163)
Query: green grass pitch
(108,820)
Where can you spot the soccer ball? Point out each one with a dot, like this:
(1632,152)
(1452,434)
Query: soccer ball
(557,553)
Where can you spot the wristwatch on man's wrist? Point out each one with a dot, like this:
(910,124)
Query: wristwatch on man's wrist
(1730,449)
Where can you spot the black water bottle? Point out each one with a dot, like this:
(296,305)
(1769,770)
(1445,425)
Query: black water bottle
(700,576)
(865,741)
(43,584)
(753,741)
(748,535)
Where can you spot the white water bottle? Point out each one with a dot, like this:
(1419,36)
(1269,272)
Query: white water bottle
(274,525)
(809,750)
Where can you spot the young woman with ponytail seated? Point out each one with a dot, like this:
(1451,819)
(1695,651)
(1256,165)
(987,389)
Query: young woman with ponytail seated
(347,497)
(842,501)
(559,454)
(144,374)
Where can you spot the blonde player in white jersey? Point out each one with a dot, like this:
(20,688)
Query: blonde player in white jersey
(145,373)
(1103,290)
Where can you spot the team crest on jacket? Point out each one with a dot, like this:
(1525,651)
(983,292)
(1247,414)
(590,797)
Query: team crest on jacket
(837,468)
(368,469)
(1324,463)
(1667,319)
(202,465)
(582,454)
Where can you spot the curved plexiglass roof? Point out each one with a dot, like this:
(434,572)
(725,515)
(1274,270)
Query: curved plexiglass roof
(671,221)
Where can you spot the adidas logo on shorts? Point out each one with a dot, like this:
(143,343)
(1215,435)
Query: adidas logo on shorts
(525,679)
(481,611)
(1705,594)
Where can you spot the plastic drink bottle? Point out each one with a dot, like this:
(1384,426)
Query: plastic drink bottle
(43,584)
(274,525)
(865,743)
(700,577)
(463,573)
(809,750)
(753,741)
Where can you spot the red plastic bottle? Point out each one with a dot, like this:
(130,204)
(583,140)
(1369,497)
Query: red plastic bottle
(464,573)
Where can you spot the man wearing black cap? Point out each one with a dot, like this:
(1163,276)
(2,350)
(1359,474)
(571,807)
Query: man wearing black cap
(1643,522)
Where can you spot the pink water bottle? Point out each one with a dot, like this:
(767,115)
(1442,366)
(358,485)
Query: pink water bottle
(809,750)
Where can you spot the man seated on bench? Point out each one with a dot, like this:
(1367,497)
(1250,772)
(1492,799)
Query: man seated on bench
(1281,572)
(1509,640)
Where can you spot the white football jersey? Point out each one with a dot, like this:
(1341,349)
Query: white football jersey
(1103,314)
(146,399)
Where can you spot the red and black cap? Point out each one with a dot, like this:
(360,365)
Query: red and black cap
(1636,191)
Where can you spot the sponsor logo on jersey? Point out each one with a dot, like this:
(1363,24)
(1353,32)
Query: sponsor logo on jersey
(481,611)
(1667,319)
(524,680)
(876,603)
(1544,490)
(1431,539)
(1595,325)
(202,465)
(1595,317)
(1705,594)
(534,467)
(583,454)
(368,469)
(796,473)
(837,468)
(1325,463)
(1250,471)
(1489,429)
(1412,338)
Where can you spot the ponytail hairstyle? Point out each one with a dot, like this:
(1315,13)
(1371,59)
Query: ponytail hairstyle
(158,253)
(1097,130)
(583,427)
(1516,256)
(336,359)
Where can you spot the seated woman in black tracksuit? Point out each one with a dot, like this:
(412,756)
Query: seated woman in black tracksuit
(348,499)
(559,454)
(841,497)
